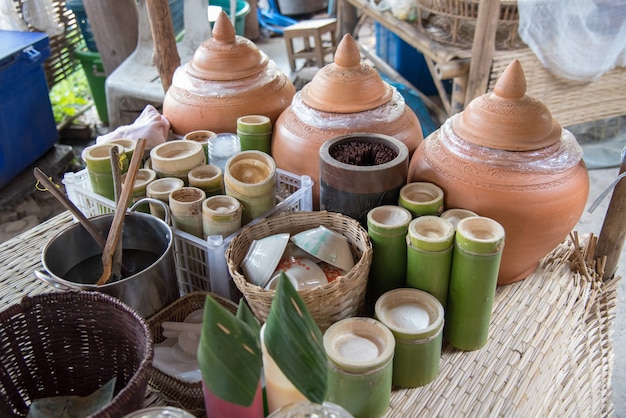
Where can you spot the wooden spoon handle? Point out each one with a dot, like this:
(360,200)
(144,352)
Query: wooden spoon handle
(65,201)
(117,190)
(120,212)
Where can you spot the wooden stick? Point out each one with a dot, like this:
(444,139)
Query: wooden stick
(613,232)
(120,213)
(452,69)
(580,260)
(117,190)
(65,201)
(483,47)
(166,58)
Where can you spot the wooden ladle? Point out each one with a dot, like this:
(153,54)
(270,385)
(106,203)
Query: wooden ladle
(65,201)
(69,205)
(115,232)
(117,191)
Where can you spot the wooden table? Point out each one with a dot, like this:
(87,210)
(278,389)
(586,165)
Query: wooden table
(549,351)
(474,70)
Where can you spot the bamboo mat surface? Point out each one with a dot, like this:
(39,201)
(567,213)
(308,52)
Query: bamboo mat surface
(549,351)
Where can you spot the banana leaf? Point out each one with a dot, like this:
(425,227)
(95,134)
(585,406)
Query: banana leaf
(245,314)
(229,355)
(295,342)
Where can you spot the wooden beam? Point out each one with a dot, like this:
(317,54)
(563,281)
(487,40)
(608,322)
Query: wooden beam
(347,18)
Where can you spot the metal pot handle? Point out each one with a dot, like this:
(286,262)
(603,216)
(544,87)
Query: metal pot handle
(52,281)
(166,208)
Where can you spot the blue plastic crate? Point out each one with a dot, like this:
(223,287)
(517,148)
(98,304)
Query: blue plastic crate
(406,60)
(27,127)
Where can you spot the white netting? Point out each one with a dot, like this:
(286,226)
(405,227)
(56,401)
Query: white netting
(575,39)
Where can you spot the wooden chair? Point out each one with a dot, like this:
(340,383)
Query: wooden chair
(311,32)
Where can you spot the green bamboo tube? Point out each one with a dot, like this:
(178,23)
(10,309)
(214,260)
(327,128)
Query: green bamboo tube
(454,215)
(144,177)
(128,145)
(429,255)
(387,228)
(202,137)
(98,162)
(250,177)
(255,133)
(208,178)
(360,353)
(475,264)
(416,320)
(421,198)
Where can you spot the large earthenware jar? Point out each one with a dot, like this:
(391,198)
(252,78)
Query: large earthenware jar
(344,97)
(506,158)
(228,77)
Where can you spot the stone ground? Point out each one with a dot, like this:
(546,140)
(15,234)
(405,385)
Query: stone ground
(22,205)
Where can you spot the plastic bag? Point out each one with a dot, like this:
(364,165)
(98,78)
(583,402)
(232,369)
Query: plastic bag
(9,18)
(401,9)
(575,39)
(40,14)
(150,125)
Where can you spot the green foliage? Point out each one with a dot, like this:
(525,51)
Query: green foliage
(295,342)
(70,95)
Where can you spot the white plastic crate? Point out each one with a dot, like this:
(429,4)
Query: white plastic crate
(200,264)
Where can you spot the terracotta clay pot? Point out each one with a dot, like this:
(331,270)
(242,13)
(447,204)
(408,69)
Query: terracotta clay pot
(228,77)
(506,158)
(344,97)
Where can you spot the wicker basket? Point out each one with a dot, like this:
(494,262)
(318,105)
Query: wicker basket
(185,395)
(341,298)
(72,343)
(454,22)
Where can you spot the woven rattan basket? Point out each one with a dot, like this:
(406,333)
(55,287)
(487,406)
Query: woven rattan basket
(185,395)
(454,22)
(341,298)
(72,343)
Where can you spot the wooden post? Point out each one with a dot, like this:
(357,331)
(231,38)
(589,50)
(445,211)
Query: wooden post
(252,30)
(166,58)
(347,18)
(613,232)
(115,27)
(483,47)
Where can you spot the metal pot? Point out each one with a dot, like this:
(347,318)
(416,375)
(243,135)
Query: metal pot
(72,260)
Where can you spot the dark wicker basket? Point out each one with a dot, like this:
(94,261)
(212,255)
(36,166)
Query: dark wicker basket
(185,395)
(72,343)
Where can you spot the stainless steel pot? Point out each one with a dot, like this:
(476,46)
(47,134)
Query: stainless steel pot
(72,260)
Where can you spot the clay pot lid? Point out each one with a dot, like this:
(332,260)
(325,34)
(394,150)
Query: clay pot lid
(346,85)
(226,56)
(507,118)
